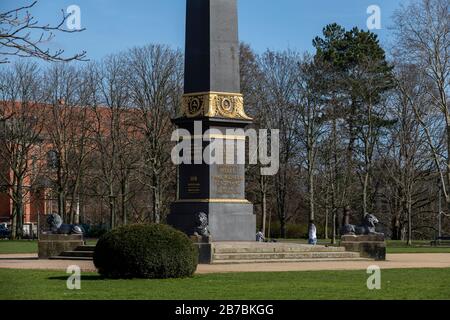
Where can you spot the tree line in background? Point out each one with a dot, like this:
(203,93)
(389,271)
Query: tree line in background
(360,132)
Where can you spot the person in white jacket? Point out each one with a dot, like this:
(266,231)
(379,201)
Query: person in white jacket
(260,237)
(312,234)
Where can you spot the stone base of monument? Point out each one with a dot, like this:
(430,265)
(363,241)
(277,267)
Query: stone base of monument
(257,252)
(226,221)
(368,246)
(51,245)
(205,249)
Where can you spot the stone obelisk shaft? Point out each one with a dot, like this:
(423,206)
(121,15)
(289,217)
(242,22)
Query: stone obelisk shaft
(212,47)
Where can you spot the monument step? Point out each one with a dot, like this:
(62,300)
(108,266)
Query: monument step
(71,258)
(271,248)
(291,255)
(80,254)
(259,261)
(85,248)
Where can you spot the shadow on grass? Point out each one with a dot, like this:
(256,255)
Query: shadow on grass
(83,278)
(97,277)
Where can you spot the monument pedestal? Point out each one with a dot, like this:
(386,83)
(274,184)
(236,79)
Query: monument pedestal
(218,190)
(52,245)
(205,249)
(368,246)
(226,221)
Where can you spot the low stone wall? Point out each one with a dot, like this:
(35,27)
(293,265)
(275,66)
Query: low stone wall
(368,246)
(51,245)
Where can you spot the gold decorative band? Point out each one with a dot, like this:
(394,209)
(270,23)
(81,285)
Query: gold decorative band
(241,201)
(214,105)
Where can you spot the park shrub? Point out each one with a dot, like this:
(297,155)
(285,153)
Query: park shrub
(94,231)
(293,231)
(145,251)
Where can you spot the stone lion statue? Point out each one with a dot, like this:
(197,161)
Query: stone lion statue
(202,228)
(56,225)
(366,228)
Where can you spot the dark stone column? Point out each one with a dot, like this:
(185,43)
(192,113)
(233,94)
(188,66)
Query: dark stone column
(212,97)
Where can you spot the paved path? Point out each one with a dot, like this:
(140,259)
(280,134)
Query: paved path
(395,261)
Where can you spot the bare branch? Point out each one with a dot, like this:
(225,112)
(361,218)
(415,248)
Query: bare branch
(16,27)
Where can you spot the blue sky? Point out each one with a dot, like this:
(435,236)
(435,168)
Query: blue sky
(116,25)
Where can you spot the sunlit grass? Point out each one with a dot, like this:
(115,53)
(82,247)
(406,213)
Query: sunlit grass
(396,284)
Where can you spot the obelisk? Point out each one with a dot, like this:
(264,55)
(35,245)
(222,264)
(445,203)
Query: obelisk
(213,99)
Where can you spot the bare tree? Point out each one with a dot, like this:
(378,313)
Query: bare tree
(17,28)
(280,70)
(372,123)
(20,136)
(67,131)
(156,88)
(110,125)
(256,105)
(311,126)
(423,38)
(407,157)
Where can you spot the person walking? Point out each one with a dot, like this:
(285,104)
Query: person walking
(312,234)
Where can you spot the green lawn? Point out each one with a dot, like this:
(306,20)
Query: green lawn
(394,250)
(19,246)
(396,284)
(417,247)
(24,246)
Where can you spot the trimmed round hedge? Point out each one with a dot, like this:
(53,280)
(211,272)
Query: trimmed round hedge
(145,251)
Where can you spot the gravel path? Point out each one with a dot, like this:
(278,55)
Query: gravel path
(395,261)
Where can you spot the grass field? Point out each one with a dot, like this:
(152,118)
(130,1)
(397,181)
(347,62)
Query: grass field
(19,246)
(25,246)
(22,246)
(425,284)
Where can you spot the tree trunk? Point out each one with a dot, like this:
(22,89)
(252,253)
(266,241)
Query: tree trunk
(263,204)
(283,227)
(61,205)
(19,209)
(14,224)
(281,203)
(334,182)
(123,201)
(76,218)
(112,210)
(75,202)
(365,192)
(333,216)
(336,224)
(61,197)
(346,216)
(311,192)
(409,208)
(156,201)
(19,220)
(396,228)
(448,159)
